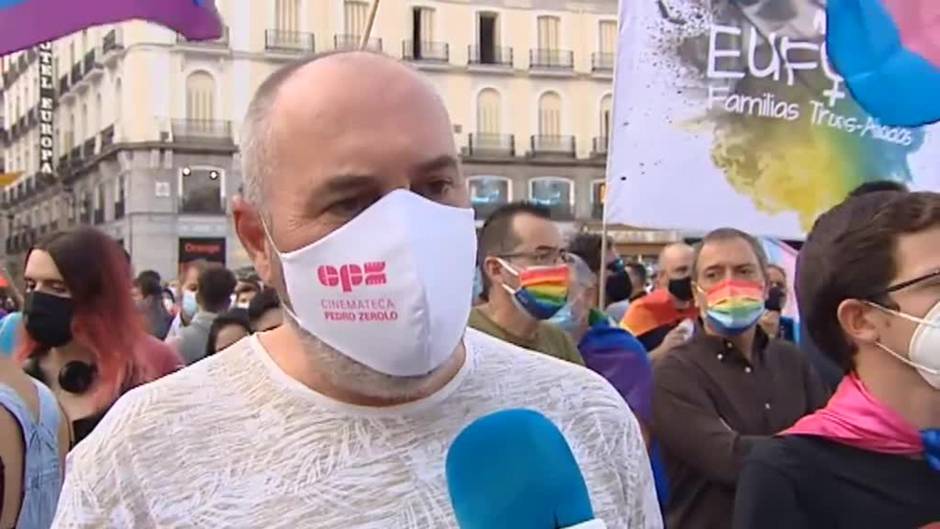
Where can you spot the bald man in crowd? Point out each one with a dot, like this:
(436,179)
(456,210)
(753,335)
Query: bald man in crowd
(655,319)
(357,213)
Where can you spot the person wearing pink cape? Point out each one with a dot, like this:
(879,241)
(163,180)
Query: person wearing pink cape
(871,457)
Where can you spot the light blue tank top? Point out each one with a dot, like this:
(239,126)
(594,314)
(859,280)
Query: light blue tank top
(43,468)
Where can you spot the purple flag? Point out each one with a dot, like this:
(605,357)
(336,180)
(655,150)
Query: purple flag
(25,23)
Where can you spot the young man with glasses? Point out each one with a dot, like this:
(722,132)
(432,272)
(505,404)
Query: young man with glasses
(525,274)
(870,273)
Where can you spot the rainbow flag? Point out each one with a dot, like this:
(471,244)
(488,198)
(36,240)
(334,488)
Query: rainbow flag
(25,23)
(888,51)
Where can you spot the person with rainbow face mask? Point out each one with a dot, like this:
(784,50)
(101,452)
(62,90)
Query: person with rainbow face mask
(729,387)
(525,274)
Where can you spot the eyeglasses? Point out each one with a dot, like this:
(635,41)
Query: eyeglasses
(543,256)
(905,284)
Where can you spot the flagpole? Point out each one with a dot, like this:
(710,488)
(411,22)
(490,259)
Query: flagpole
(369,23)
(602,299)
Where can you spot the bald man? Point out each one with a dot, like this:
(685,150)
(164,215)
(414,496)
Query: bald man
(655,319)
(356,212)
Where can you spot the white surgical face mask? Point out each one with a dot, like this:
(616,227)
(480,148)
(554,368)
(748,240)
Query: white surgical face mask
(389,289)
(189,305)
(924,349)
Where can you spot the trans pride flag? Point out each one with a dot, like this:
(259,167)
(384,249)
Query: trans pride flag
(25,23)
(888,51)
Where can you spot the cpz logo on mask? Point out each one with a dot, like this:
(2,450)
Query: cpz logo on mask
(349,276)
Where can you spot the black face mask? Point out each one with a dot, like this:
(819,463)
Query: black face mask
(48,318)
(618,286)
(681,289)
(774,301)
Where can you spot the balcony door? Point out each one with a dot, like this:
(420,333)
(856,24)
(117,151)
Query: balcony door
(422,30)
(200,101)
(549,33)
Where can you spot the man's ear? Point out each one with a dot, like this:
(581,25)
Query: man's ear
(859,320)
(493,270)
(251,233)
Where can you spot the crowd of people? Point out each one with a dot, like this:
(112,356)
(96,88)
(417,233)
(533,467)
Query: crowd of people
(324,388)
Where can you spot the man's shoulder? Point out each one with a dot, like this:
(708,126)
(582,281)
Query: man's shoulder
(785,351)
(495,358)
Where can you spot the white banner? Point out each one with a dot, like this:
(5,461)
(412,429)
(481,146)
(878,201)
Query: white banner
(728,113)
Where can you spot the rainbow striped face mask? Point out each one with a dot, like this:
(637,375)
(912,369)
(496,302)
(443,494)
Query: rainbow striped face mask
(734,306)
(543,290)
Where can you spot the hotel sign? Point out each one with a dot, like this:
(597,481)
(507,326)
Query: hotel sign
(46,109)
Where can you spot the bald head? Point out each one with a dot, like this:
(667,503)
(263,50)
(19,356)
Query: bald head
(326,138)
(675,262)
(346,89)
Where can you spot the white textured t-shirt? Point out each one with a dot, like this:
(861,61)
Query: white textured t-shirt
(234,442)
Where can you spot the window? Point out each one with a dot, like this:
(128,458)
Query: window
(606,116)
(200,97)
(99,122)
(201,190)
(70,132)
(84,207)
(549,33)
(488,38)
(488,112)
(355,17)
(556,194)
(550,114)
(118,109)
(488,193)
(99,204)
(82,131)
(607,36)
(119,204)
(598,194)
(422,23)
(287,15)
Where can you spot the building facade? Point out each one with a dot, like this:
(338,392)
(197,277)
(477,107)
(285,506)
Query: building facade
(144,125)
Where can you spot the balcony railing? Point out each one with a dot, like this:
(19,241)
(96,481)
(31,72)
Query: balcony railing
(219,42)
(119,210)
(602,62)
(553,145)
(88,148)
(91,61)
(107,137)
(63,84)
(425,51)
(111,42)
(489,56)
(491,145)
(551,59)
(353,42)
(290,41)
(202,130)
(99,216)
(599,145)
(76,73)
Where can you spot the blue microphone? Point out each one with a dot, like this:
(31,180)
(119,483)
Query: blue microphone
(513,469)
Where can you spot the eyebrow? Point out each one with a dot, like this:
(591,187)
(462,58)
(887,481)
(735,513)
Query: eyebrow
(445,161)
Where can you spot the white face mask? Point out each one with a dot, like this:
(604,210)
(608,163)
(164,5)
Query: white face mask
(924,349)
(390,288)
